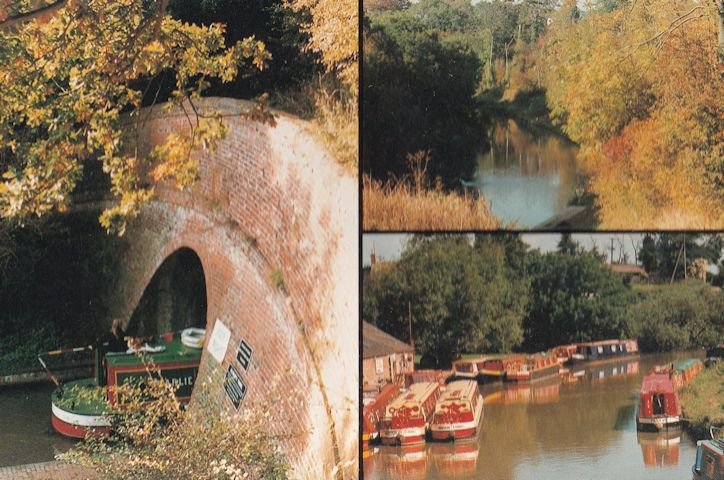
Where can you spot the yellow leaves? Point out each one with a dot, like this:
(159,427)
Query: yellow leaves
(64,83)
(334,32)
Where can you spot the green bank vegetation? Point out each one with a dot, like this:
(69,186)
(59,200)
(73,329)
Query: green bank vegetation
(703,400)
(491,293)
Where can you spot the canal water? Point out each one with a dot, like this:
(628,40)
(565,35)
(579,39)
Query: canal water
(581,426)
(527,177)
(26,435)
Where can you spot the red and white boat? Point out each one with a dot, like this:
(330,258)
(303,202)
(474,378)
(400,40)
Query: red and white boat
(409,415)
(458,412)
(531,367)
(659,407)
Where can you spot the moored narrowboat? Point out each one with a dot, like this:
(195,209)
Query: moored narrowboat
(531,367)
(408,416)
(658,407)
(684,371)
(374,411)
(709,463)
(458,412)
(604,350)
(467,368)
(84,406)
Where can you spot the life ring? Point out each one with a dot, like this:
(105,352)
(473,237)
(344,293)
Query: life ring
(193,337)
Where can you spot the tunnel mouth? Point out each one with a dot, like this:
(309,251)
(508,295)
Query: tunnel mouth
(174,299)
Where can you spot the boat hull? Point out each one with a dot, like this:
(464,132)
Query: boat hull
(403,436)
(658,423)
(76,425)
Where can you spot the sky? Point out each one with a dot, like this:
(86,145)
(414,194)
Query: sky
(388,246)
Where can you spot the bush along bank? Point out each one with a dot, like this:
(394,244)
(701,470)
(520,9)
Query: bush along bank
(702,401)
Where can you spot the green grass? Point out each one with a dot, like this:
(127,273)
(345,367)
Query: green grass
(703,401)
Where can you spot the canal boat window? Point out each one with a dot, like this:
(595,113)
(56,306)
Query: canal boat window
(600,349)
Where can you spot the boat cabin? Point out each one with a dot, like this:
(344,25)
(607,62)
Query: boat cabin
(409,414)
(467,368)
(458,411)
(659,406)
(709,460)
(84,405)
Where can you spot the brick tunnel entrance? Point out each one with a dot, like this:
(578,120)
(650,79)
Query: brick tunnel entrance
(174,299)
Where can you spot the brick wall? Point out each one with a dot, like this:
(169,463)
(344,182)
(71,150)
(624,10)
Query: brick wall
(273,220)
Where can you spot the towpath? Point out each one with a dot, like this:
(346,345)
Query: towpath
(47,471)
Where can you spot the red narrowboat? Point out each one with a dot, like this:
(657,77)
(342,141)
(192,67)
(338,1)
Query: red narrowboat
(564,353)
(408,416)
(492,368)
(659,407)
(531,367)
(458,412)
(374,411)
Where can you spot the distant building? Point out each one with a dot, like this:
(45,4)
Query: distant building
(632,273)
(385,359)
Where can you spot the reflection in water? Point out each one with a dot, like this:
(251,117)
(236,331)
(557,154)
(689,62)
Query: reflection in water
(528,178)
(581,427)
(660,449)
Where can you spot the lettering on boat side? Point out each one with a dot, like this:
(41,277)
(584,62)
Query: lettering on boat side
(234,386)
(243,354)
(219,341)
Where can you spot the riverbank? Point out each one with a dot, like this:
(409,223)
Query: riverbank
(702,401)
(398,206)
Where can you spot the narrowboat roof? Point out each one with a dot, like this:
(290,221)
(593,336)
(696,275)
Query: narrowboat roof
(175,352)
(603,342)
(683,365)
(417,393)
(459,390)
(657,383)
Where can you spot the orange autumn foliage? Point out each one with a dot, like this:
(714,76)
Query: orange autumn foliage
(641,89)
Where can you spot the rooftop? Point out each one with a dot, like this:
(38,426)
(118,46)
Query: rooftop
(376,343)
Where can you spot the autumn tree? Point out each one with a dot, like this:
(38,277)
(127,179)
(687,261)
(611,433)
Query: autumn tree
(639,87)
(73,88)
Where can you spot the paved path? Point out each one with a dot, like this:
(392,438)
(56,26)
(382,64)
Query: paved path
(47,471)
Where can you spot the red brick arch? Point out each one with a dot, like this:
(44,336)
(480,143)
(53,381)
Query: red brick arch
(273,220)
